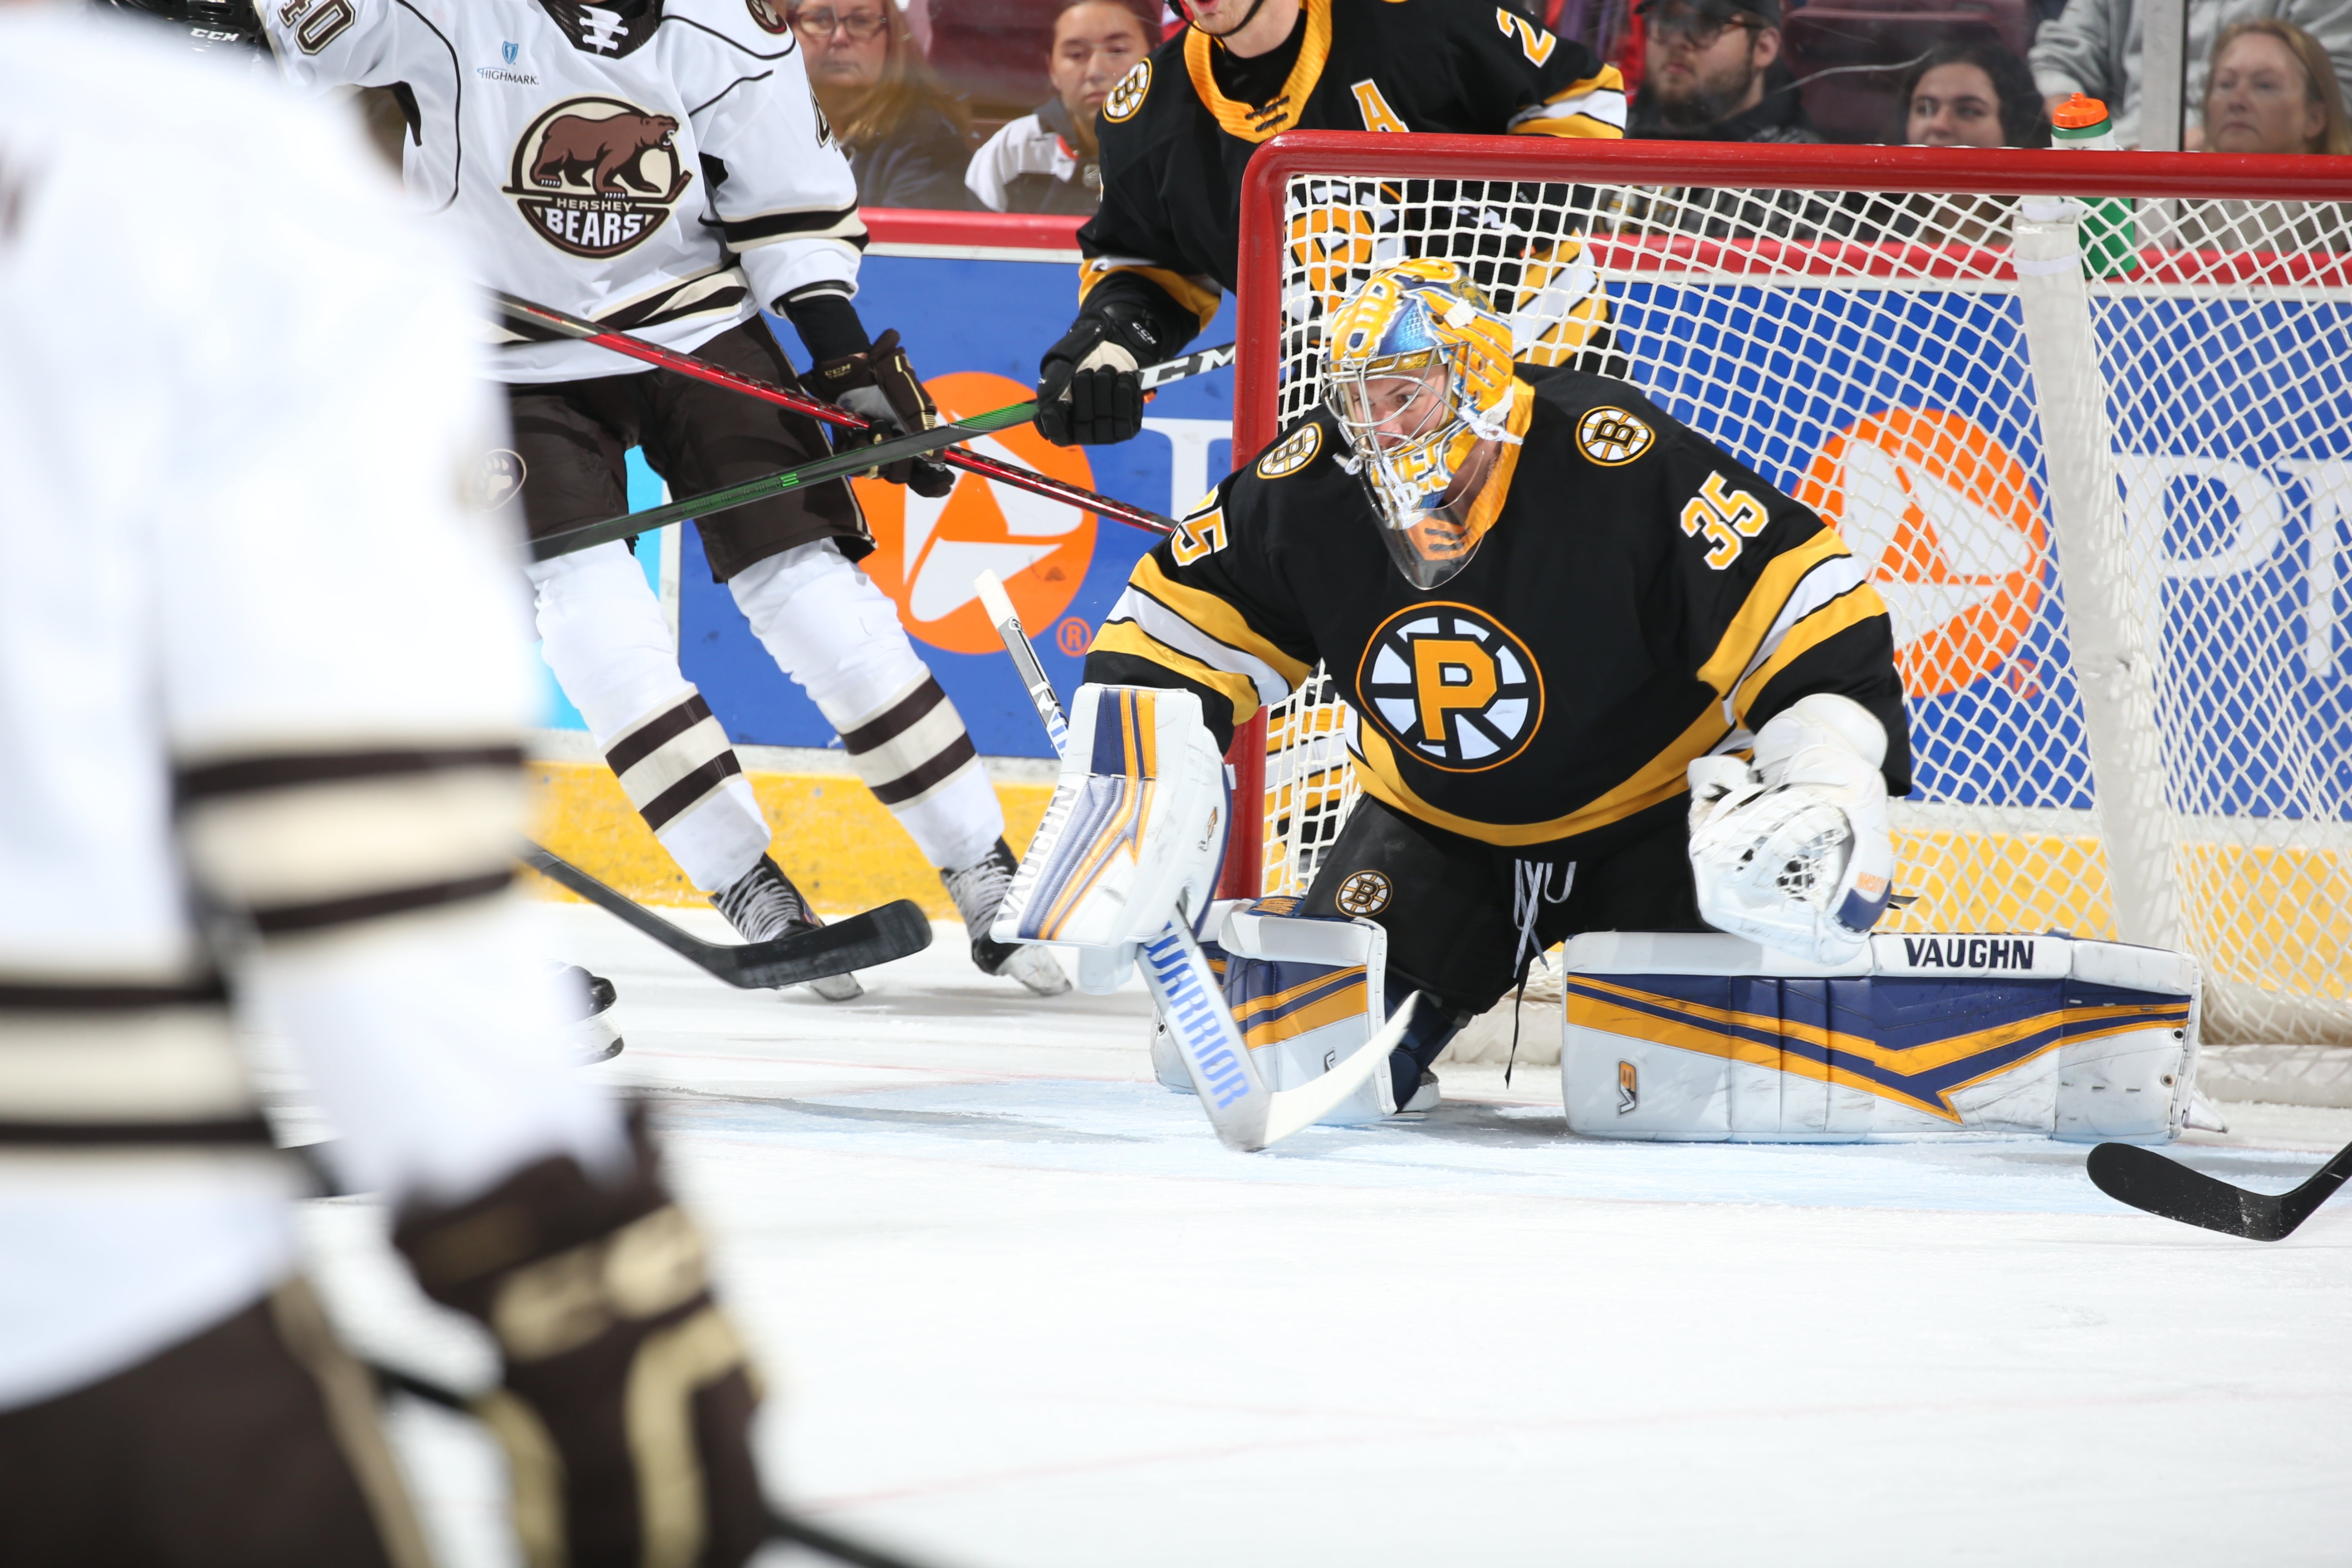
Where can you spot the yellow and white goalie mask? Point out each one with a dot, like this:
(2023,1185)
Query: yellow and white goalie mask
(1418,372)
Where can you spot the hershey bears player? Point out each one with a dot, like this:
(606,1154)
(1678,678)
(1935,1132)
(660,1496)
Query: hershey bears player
(1177,132)
(660,165)
(258,659)
(1556,614)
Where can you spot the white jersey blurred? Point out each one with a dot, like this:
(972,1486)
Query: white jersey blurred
(667,173)
(257,656)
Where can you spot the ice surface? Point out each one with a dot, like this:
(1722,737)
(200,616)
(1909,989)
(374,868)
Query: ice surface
(1020,1308)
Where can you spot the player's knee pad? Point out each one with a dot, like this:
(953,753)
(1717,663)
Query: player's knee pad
(1134,835)
(828,626)
(1706,1037)
(603,633)
(1795,852)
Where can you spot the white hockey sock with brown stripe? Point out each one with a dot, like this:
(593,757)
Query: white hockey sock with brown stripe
(604,635)
(834,632)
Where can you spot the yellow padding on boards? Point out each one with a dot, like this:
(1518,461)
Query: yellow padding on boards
(833,837)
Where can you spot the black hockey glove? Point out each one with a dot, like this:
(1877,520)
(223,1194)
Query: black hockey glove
(1089,388)
(882,388)
(626,1406)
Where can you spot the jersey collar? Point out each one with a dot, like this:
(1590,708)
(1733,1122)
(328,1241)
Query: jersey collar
(1249,121)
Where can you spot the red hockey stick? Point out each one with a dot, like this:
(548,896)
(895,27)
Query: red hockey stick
(547,318)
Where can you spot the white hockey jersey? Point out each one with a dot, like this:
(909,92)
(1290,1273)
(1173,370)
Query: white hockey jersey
(255,654)
(666,174)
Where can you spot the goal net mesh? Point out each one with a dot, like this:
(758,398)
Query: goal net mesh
(1875,355)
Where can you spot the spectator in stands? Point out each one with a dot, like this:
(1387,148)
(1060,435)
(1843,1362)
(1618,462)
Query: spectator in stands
(2094,47)
(1972,95)
(2273,89)
(1712,72)
(905,144)
(1046,162)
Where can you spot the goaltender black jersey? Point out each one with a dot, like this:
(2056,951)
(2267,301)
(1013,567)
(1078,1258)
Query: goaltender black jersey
(1640,599)
(1174,143)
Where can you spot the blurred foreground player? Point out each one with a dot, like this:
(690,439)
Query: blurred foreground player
(663,169)
(262,675)
(1558,614)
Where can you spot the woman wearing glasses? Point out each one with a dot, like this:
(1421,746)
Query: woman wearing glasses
(903,135)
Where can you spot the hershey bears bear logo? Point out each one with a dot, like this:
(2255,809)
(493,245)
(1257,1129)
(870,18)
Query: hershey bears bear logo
(771,19)
(1452,686)
(597,177)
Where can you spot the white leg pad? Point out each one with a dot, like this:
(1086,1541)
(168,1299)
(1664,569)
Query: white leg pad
(1308,994)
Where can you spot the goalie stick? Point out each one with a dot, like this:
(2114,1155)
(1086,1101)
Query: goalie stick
(548,320)
(1245,1115)
(890,931)
(2146,1180)
(781,1526)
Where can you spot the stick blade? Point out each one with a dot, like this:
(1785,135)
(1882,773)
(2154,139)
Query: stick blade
(1291,1109)
(880,934)
(2170,1190)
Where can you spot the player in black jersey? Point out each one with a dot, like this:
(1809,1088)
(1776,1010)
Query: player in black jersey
(1176,133)
(1558,616)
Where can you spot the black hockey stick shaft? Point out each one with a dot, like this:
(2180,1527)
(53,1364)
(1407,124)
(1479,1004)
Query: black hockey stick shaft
(878,935)
(781,1527)
(549,318)
(2146,1180)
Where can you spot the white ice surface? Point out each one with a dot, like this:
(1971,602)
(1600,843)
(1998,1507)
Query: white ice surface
(1019,1308)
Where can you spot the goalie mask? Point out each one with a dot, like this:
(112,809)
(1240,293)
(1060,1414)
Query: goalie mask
(1419,375)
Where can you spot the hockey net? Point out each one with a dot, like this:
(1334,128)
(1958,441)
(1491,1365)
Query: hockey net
(2096,443)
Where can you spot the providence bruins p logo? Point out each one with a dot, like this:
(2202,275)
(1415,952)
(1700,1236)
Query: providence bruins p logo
(597,177)
(1452,686)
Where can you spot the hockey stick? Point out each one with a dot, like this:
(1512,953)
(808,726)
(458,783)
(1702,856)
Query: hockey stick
(780,1526)
(2146,1180)
(890,931)
(563,323)
(1245,1114)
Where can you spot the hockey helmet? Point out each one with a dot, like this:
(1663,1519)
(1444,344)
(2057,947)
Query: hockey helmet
(205,25)
(1417,370)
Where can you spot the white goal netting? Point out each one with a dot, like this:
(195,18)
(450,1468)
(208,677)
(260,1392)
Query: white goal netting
(2098,456)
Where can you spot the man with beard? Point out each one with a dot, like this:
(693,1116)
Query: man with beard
(1713,73)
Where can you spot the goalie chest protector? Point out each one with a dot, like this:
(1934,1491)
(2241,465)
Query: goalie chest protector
(1935,1035)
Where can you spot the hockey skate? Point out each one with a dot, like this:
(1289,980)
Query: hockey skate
(977,891)
(589,999)
(762,904)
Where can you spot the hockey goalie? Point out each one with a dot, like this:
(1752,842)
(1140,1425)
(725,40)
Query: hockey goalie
(1602,676)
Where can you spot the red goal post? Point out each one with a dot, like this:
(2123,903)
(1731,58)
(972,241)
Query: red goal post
(2045,390)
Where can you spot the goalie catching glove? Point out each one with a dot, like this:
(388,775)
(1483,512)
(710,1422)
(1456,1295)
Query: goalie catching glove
(880,387)
(1794,853)
(626,1403)
(1135,833)
(1090,385)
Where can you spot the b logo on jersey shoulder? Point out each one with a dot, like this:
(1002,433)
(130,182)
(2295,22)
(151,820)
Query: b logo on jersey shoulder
(1611,438)
(1452,686)
(1293,455)
(597,177)
(1129,95)
(1364,893)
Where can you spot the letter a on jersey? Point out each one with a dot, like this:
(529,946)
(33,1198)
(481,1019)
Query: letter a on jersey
(1452,686)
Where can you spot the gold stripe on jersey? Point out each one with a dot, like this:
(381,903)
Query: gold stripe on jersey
(1848,609)
(1593,107)
(1737,650)
(1125,637)
(1257,122)
(1199,295)
(1215,617)
(1661,778)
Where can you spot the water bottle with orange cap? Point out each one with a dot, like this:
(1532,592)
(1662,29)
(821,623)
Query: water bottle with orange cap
(2110,248)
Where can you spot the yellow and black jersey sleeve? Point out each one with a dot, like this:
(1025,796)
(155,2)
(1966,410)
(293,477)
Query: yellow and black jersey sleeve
(1135,248)
(1206,612)
(1554,86)
(1772,606)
